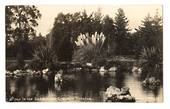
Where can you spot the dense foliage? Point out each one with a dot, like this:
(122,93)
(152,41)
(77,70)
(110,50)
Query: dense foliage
(90,48)
(68,26)
(122,33)
(151,33)
(20,21)
(115,38)
(43,57)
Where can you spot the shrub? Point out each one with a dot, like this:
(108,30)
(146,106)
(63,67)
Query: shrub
(89,47)
(12,67)
(153,65)
(43,57)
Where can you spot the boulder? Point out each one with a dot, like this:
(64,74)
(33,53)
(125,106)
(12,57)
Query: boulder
(112,71)
(114,94)
(137,71)
(151,83)
(102,71)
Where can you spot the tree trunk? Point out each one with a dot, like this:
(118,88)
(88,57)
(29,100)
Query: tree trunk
(20,57)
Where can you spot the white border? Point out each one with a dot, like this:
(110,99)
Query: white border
(114,2)
(166,8)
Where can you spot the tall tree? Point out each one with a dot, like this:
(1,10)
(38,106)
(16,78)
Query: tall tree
(97,21)
(151,31)
(121,32)
(151,38)
(61,37)
(108,29)
(66,29)
(20,23)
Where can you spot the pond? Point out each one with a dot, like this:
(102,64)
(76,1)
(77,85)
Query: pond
(84,89)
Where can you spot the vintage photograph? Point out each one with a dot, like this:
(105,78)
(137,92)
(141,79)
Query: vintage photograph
(84,53)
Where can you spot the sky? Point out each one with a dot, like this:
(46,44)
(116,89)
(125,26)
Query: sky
(134,13)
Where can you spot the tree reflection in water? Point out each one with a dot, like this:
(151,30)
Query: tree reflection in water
(87,84)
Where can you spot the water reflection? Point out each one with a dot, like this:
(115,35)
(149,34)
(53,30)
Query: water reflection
(90,83)
(85,86)
(142,94)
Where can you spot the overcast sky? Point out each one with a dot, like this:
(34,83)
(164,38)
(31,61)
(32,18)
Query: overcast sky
(134,13)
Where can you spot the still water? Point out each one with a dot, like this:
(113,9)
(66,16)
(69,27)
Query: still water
(83,89)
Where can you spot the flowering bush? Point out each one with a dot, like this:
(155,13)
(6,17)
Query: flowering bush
(95,39)
(89,47)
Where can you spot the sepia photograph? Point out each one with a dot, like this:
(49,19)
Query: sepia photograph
(84,53)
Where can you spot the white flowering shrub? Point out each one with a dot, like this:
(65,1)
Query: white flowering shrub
(89,47)
(96,39)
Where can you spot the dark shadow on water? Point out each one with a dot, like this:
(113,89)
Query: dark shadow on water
(86,85)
